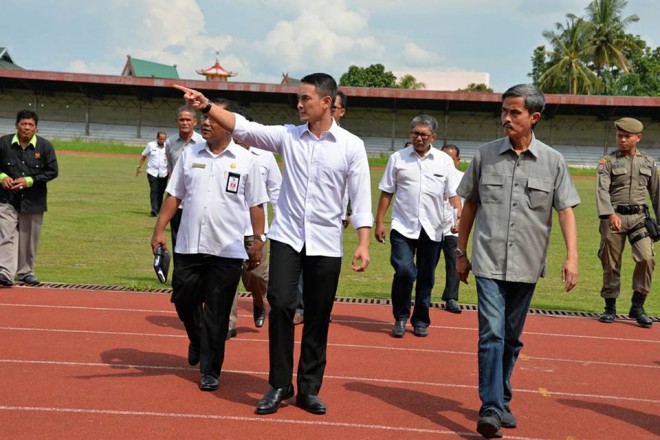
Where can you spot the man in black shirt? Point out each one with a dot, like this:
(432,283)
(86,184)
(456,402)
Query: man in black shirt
(27,162)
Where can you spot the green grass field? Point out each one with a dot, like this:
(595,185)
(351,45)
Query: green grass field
(97,231)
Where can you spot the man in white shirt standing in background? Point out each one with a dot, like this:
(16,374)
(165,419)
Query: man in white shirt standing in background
(156,170)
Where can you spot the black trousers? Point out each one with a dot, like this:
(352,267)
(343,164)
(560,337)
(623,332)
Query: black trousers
(157,187)
(203,291)
(321,277)
(452,282)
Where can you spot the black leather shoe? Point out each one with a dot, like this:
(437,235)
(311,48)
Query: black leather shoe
(259,315)
(231,334)
(5,281)
(271,401)
(508,419)
(193,354)
(399,328)
(208,383)
(421,330)
(30,279)
(452,306)
(311,403)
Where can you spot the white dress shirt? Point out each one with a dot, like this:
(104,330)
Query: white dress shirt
(317,173)
(217,189)
(272,177)
(156,159)
(450,211)
(420,185)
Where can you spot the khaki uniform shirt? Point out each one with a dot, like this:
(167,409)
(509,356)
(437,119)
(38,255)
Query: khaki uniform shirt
(516,195)
(624,180)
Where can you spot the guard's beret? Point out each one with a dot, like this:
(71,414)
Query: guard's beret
(629,124)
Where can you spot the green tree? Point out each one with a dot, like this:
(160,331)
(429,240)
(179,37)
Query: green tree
(644,77)
(571,52)
(608,37)
(410,82)
(473,87)
(372,76)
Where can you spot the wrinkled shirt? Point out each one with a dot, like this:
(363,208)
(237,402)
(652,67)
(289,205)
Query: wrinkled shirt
(516,195)
(421,186)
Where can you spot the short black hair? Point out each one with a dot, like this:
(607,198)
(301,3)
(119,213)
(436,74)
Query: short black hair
(229,105)
(343,97)
(324,84)
(452,147)
(27,114)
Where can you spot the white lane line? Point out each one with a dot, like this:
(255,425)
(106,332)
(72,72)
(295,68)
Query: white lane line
(339,321)
(583,362)
(313,423)
(102,309)
(125,366)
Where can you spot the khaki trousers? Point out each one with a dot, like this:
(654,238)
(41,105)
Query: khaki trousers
(610,253)
(255,282)
(19,239)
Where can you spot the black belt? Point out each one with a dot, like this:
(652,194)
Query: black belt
(629,209)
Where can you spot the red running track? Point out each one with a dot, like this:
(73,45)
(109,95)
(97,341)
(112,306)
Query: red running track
(83,364)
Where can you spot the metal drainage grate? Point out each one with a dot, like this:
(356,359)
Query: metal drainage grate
(345,300)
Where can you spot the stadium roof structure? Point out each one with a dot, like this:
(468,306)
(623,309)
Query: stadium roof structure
(148,69)
(602,107)
(6,61)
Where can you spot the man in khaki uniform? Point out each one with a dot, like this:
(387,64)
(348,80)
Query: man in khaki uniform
(624,177)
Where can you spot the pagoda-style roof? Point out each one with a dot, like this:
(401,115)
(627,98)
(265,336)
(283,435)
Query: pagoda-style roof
(148,69)
(216,72)
(288,81)
(6,62)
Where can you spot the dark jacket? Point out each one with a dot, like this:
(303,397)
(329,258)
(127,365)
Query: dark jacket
(37,162)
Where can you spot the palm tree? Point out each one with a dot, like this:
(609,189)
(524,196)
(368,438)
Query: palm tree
(608,34)
(571,50)
(410,82)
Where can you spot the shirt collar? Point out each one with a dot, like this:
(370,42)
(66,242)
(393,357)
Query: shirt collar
(532,148)
(230,150)
(332,134)
(430,154)
(32,142)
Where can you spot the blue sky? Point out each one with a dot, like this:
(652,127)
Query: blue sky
(262,39)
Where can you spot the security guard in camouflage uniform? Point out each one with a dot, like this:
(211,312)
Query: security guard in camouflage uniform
(624,176)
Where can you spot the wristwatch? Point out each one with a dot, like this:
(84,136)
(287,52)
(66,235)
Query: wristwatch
(207,108)
(459,252)
(261,237)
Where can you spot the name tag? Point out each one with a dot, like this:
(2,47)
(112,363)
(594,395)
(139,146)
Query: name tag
(199,165)
(233,180)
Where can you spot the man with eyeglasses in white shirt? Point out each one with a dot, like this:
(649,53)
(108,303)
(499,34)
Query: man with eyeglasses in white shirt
(421,176)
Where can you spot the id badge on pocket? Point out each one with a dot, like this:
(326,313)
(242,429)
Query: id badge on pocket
(233,181)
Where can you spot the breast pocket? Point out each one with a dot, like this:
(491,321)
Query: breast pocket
(539,193)
(492,188)
(644,176)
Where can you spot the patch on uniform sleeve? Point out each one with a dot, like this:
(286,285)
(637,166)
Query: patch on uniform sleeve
(601,166)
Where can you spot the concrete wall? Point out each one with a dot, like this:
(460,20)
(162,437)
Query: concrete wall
(126,119)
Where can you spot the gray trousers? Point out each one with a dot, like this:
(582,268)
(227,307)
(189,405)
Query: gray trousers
(19,238)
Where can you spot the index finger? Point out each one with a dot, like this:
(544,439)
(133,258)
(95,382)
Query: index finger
(182,88)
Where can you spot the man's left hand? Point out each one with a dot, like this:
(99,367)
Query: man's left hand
(255,254)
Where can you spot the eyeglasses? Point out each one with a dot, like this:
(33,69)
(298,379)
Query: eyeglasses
(416,134)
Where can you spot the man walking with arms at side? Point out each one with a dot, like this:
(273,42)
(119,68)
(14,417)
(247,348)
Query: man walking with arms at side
(419,178)
(510,189)
(321,160)
(624,177)
(27,163)
(157,170)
